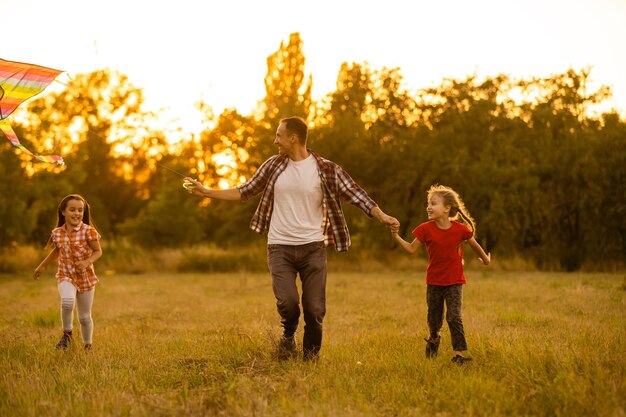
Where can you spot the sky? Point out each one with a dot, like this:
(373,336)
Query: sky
(183,51)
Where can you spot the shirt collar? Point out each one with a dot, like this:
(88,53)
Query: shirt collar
(75,229)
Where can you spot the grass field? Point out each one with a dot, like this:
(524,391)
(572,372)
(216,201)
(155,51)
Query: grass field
(544,344)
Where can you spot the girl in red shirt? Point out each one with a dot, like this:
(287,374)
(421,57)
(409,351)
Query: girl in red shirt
(444,237)
(76,246)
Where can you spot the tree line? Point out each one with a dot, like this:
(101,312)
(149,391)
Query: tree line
(541,172)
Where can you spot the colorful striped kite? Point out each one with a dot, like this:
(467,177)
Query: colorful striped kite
(18,83)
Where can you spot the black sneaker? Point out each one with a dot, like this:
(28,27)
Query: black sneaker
(88,347)
(286,347)
(460,359)
(432,346)
(64,341)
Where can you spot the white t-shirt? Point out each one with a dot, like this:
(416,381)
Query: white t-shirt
(297,212)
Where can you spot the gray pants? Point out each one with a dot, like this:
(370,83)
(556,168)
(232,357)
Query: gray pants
(309,260)
(453,297)
(84,301)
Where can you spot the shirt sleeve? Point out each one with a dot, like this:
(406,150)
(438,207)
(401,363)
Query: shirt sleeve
(54,236)
(351,192)
(92,234)
(420,233)
(466,233)
(257,183)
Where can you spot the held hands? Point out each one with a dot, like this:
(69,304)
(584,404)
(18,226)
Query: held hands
(391,222)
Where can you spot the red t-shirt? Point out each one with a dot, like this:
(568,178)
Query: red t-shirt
(445,252)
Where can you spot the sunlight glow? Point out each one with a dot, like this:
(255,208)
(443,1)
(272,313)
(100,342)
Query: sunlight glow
(211,52)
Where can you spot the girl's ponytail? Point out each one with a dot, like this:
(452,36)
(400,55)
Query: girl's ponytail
(468,220)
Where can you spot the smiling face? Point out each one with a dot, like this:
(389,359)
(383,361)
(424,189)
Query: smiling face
(436,209)
(73,212)
(284,139)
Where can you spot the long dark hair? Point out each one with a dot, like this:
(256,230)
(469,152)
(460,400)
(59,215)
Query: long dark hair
(63,205)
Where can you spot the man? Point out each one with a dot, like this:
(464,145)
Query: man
(300,210)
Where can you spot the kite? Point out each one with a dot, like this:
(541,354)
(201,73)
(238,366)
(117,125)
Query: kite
(18,83)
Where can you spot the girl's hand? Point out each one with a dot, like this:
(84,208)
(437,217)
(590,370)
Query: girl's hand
(81,266)
(37,272)
(486,261)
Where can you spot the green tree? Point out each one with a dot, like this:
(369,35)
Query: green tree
(287,92)
(361,130)
(97,122)
(562,151)
(170,219)
(16,222)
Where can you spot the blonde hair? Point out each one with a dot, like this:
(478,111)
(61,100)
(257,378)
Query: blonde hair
(457,207)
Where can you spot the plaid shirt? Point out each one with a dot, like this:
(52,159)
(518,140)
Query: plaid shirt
(74,247)
(336,185)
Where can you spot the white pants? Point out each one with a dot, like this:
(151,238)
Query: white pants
(84,301)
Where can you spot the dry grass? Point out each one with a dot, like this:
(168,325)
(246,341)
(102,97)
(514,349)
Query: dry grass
(544,344)
(123,258)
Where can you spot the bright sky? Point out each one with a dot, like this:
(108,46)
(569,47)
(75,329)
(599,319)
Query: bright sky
(185,50)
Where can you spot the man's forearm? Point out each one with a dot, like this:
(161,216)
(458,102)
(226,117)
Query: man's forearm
(231,194)
(378,214)
(385,219)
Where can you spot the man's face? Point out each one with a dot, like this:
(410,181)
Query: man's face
(284,140)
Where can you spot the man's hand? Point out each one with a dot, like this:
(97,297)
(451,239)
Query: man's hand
(391,222)
(194,186)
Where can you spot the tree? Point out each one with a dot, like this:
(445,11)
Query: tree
(16,222)
(287,93)
(95,120)
(170,219)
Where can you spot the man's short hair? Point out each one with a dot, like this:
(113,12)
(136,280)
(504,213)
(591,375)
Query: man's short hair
(296,125)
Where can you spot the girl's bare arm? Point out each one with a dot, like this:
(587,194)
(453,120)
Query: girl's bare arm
(95,255)
(409,247)
(53,255)
(484,257)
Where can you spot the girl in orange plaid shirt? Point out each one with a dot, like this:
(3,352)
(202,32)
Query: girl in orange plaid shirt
(76,246)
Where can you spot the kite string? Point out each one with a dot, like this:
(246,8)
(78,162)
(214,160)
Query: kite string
(170,169)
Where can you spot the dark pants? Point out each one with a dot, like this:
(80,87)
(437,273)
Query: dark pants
(452,295)
(309,260)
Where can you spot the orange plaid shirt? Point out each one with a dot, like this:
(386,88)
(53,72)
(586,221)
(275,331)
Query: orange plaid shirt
(74,246)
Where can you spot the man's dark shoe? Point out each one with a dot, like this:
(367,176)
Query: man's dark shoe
(432,346)
(286,347)
(460,360)
(64,341)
